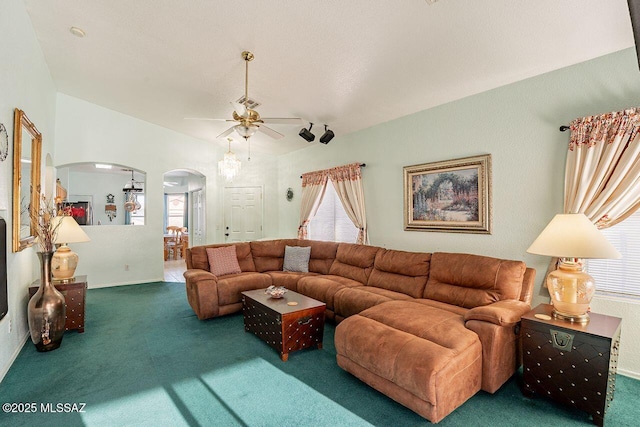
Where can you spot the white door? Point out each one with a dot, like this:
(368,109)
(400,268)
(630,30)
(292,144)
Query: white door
(242,214)
(197,228)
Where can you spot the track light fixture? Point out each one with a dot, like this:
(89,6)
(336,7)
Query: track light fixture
(306,133)
(327,136)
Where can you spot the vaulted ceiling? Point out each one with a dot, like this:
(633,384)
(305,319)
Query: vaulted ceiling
(348,64)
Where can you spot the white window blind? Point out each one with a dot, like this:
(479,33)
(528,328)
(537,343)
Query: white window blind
(620,277)
(331,223)
(175,206)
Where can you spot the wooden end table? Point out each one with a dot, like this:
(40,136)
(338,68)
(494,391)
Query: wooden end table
(571,363)
(74,297)
(286,324)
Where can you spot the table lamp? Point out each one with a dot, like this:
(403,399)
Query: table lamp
(65,261)
(572,237)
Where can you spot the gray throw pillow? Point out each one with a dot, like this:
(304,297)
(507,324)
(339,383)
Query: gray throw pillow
(296,258)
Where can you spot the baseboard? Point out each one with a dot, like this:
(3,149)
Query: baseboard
(630,374)
(14,356)
(111,285)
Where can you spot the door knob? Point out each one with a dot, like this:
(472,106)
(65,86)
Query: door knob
(226,234)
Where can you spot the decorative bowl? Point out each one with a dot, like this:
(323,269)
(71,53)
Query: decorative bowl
(275,291)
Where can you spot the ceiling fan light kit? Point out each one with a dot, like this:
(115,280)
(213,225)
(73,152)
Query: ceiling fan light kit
(248,120)
(245,131)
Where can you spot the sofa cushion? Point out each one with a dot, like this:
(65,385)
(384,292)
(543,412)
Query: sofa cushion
(223,261)
(472,280)
(288,279)
(324,288)
(296,258)
(350,301)
(417,347)
(229,287)
(269,254)
(400,271)
(199,260)
(322,255)
(354,261)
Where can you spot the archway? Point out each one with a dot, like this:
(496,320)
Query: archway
(184,206)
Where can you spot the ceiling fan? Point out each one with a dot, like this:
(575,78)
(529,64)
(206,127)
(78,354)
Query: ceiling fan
(248,120)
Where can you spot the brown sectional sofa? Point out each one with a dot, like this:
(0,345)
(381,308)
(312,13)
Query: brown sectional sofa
(427,330)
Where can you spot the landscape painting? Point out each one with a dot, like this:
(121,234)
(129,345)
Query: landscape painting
(454,195)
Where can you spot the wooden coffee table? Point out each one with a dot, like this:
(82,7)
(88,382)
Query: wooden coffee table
(287,324)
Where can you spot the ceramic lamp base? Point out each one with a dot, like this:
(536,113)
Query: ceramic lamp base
(63,264)
(571,290)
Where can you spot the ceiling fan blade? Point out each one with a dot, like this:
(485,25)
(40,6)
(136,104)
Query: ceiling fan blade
(284,121)
(240,109)
(209,119)
(270,132)
(226,132)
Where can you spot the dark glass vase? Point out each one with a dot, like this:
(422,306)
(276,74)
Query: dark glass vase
(47,310)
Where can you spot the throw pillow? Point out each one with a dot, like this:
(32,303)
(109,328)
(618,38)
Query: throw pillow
(223,260)
(296,258)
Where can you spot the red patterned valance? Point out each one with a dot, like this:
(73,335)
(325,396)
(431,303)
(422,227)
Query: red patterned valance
(602,128)
(350,172)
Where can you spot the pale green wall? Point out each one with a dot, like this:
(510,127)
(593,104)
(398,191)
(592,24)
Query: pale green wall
(518,125)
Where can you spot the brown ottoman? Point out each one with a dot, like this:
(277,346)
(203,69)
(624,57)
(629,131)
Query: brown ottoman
(420,356)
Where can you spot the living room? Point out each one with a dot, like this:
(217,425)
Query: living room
(516,122)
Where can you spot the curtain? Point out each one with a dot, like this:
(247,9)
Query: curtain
(314,185)
(602,175)
(347,180)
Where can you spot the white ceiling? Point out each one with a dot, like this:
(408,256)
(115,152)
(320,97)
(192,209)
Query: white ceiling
(350,64)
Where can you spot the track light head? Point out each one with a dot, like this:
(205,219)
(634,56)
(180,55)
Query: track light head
(327,136)
(306,133)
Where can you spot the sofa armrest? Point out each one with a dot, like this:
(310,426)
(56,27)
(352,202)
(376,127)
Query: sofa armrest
(197,274)
(202,292)
(501,313)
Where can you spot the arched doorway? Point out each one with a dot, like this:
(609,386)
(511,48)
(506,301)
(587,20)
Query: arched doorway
(184,206)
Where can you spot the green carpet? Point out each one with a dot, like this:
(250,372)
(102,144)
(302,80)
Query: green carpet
(145,359)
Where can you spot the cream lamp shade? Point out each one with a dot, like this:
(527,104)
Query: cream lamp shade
(65,261)
(572,237)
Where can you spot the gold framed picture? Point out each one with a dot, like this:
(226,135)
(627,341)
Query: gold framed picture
(449,196)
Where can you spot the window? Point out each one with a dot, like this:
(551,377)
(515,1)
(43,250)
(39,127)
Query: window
(176,210)
(619,277)
(137,217)
(331,222)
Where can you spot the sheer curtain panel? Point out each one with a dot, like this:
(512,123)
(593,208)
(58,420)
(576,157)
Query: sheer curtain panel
(347,180)
(602,176)
(314,185)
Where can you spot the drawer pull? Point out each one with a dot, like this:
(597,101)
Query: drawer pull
(562,340)
(305,320)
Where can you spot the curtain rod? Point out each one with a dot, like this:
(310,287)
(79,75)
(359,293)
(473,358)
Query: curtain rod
(361,165)
(564,128)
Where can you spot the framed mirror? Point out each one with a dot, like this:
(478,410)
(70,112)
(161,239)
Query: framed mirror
(27,148)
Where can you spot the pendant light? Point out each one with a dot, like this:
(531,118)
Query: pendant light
(229,166)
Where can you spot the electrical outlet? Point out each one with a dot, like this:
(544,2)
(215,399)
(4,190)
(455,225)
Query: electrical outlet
(126,267)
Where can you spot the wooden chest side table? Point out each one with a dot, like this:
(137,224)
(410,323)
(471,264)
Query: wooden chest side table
(74,296)
(284,327)
(573,364)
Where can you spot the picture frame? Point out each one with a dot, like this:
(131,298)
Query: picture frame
(449,196)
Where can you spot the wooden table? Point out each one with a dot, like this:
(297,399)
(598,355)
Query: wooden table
(282,325)
(74,297)
(574,364)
